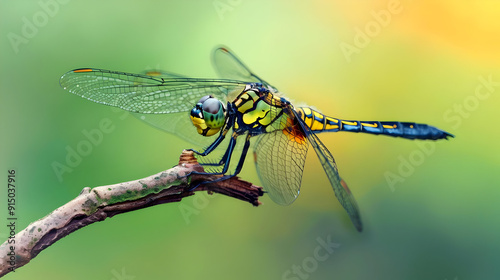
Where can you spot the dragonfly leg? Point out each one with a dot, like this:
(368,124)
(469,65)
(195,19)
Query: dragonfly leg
(217,141)
(229,152)
(238,167)
(222,161)
(243,155)
(212,146)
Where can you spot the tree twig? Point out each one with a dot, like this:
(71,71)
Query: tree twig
(99,203)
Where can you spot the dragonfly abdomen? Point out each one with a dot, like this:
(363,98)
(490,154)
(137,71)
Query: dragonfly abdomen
(321,123)
(318,122)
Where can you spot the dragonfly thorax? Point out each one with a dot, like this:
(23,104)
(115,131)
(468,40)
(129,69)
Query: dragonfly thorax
(208,115)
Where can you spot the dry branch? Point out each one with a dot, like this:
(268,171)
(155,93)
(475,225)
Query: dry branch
(99,203)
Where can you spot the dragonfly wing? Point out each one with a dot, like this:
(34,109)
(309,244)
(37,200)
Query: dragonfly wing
(174,123)
(144,93)
(279,158)
(340,188)
(178,124)
(229,66)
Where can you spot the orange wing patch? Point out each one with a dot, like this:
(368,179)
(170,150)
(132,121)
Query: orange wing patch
(82,70)
(344,185)
(293,131)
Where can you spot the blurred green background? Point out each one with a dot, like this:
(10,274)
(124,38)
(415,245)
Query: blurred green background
(416,61)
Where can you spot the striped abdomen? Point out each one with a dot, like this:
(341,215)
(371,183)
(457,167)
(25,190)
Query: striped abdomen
(321,123)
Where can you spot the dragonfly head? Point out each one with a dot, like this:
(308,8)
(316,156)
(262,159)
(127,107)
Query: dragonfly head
(208,115)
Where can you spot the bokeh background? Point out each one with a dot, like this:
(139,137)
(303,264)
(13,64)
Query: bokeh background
(436,218)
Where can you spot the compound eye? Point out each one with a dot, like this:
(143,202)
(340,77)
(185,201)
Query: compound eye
(204,98)
(211,105)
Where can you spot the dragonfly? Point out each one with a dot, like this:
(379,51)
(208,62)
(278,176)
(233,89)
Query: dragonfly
(236,109)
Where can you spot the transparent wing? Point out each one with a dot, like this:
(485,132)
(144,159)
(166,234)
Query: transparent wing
(229,66)
(280,157)
(340,188)
(175,123)
(144,93)
(178,124)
